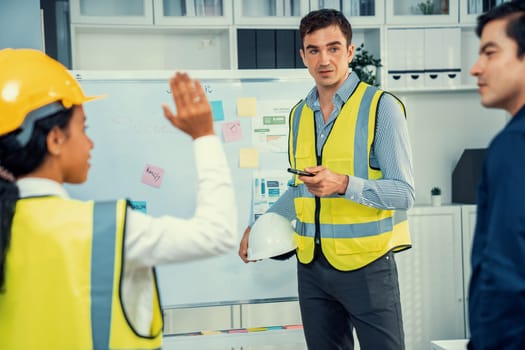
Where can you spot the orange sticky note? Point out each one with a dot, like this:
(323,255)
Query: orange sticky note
(294,326)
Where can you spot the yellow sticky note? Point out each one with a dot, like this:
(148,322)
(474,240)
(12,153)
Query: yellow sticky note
(256,329)
(246,106)
(248,158)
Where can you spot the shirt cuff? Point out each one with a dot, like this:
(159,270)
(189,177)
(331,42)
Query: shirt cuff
(354,190)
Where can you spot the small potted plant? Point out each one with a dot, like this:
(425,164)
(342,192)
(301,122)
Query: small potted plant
(365,65)
(435,195)
(426,7)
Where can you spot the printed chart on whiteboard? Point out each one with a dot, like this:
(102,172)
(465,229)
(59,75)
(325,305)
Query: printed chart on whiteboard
(268,186)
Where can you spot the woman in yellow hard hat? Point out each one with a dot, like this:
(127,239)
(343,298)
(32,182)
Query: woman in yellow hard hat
(79,274)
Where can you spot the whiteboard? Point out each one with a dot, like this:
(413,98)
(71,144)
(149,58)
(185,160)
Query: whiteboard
(129,131)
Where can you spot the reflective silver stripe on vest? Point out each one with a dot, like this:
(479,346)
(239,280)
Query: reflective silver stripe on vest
(102,268)
(295,126)
(361,158)
(352,230)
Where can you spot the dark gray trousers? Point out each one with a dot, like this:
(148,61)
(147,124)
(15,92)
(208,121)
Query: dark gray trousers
(333,302)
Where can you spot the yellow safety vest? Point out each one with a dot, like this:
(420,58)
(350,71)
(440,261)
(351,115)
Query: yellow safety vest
(64,270)
(351,234)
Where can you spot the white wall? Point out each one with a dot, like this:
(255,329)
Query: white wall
(20,24)
(441,125)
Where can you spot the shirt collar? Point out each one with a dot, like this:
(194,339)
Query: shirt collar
(341,95)
(35,186)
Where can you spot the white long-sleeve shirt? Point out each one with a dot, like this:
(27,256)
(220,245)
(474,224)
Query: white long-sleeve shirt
(152,241)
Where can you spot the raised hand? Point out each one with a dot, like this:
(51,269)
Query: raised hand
(194,116)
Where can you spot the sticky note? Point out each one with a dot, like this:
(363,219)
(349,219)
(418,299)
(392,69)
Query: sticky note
(139,205)
(294,326)
(241,330)
(246,106)
(256,329)
(232,131)
(210,332)
(248,158)
(274,328)
(152,175)
(217,110)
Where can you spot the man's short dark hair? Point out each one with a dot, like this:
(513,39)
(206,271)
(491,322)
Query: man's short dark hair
(323,18)
(515,12)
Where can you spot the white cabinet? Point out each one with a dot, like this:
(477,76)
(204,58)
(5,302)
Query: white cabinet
(468,214)
(152,34)
(204,34)
(116,48)
(423,57)
(431,277)
(471,9)
(270,12)
(149,12)
(360,12)
(193,12)
(423,12)
(112,11)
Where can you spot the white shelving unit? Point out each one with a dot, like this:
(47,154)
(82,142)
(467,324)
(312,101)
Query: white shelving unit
(270,13)
(112,12)
(170,34)
(469,10)
(156,25)
(193,13)
(202,34)
(422,12)
(361,13)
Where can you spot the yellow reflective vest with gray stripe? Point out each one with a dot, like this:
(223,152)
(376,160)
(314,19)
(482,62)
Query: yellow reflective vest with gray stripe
(351,235)
(64,279)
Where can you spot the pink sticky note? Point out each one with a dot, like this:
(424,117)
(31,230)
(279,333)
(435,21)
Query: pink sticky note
(152,175)
(238,330)
(294,326)
(232,131)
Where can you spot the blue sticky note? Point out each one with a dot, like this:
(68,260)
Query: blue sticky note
(139,205)
(217,110)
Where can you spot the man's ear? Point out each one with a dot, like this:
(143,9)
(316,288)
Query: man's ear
(301,52)
(54,141)
(351,52)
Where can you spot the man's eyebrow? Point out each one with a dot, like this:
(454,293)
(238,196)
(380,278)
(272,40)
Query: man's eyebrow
(312,46)
(488,45)
(332,43)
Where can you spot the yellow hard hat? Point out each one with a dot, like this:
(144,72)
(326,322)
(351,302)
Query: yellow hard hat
(30,80)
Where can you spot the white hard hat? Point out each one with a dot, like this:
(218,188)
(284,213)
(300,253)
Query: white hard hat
(271,235)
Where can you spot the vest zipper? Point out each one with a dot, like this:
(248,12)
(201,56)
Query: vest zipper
(318,208)
(317,220)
